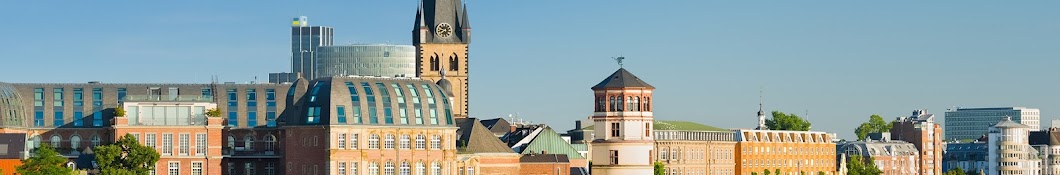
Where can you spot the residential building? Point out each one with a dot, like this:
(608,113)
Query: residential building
(693,148)
(972,123)
(789,151)
(1047,142)
(383,60)
(176,127)
(1008,148)
(623,142)
(479,151)
(967,156)
(441,36)
(546,164)
(12,151)
(921,130)
(305,40)
(892,157)
(529,139)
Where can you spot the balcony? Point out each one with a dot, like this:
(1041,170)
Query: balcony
(241,152)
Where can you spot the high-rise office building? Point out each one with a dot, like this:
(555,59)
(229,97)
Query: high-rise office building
(305,40)
(972,123)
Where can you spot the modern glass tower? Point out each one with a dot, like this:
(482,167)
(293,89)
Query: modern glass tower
(972,123)
(382,60)
(305,40)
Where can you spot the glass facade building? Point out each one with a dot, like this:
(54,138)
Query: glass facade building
(972,123)
(304,43)
(366,60)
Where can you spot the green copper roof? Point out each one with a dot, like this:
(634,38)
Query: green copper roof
(551,142)
(683,126)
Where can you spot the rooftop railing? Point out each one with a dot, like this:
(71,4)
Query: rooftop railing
(167,98)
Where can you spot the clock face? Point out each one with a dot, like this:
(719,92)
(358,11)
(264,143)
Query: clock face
(444,30)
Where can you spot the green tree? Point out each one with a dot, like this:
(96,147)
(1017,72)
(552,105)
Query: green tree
(125,157)
(660,169)
(820,173)
(754,173)
(119,112)
(45,162)
(765,171)
(776,171)
(874,125)
(213,112)
(791,122)
(857,166)
(956,171)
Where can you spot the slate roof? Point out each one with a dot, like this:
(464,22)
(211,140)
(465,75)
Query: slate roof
(475,138)
(14,143)
(663,125)
(544,158)
(622,78)
(498,126)
(1046,137)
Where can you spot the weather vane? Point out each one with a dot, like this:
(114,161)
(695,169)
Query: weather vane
(619,60)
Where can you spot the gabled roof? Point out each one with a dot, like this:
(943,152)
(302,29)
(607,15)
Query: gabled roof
(622,78)
(549,142)
(498,126)
(475,138)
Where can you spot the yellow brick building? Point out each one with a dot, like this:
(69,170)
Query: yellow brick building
(790,152)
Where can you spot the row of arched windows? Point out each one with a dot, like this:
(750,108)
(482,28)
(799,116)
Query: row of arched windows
(454,63)
(56,141)
(391,142)
(620,103)
(404,168)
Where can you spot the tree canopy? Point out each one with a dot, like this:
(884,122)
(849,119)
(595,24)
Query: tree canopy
(660,169)
(126,156)
(874,125)
(857,166)
(955,171)
(791,122)
(45,162)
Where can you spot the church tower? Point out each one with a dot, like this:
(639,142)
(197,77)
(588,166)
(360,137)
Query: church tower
(441,35)
(623,143)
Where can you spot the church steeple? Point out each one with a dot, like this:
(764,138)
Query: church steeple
(441,34)
(761,113)
(442,21)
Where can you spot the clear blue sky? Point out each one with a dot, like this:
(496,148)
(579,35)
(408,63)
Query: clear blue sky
(840,60)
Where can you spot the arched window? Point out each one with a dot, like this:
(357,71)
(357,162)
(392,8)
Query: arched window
(406,169)
(434,62)
(373,141)
(248,142)
(611,101)
(663,154)
(389,142)
(421,142)
(56,141)
(629,104)
(635,104)
(405,142)
(270,142)
(96,140)
(618,104)
(436,168)
(436,142)
(231,142)
(421,169)
(388,168)
(675,154)
(373,168)
(647,104)
(75,142)
(454,65)
(600,104)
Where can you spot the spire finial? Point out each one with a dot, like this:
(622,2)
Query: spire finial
(442,70)
(619,60)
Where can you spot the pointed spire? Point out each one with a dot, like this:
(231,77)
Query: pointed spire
(464,23)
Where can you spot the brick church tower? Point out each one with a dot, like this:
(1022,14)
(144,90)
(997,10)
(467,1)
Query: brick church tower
(441,36)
